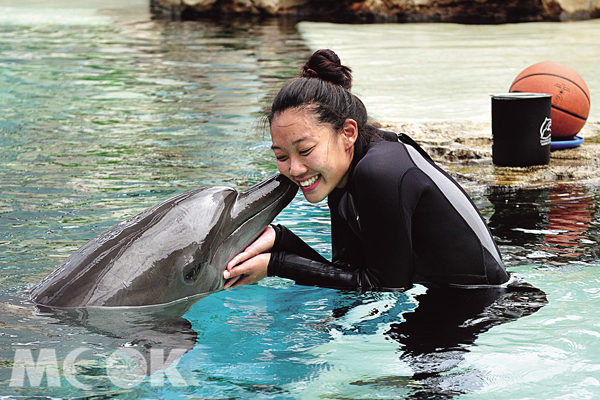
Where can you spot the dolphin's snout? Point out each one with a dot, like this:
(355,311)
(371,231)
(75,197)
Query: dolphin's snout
(276,184)
(276,189)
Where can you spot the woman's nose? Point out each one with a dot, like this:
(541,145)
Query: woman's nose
(297,167)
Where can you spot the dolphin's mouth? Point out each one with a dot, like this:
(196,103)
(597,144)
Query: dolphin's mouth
(249,213)
(255,222)
(273,189)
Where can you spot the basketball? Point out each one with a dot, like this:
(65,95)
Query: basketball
(570,95)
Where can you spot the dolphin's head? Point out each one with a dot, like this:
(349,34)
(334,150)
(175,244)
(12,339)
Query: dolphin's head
(244,217)
(175,250)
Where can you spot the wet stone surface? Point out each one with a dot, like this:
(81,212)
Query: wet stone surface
(464,149)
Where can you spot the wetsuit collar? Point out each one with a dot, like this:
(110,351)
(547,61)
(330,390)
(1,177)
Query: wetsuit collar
(361,146)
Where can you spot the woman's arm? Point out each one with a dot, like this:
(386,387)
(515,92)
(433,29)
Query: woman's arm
(290,257)
(372,231)
(371,252)
(251,265)
(309,272)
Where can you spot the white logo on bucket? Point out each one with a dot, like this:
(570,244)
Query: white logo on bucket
(546,132)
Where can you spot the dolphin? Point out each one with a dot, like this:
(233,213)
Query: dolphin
(176,250)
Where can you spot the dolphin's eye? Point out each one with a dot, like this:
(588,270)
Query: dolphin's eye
(193,270)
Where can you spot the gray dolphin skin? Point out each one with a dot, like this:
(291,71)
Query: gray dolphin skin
(175,250)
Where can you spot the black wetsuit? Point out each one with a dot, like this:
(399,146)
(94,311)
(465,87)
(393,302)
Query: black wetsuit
(399,220)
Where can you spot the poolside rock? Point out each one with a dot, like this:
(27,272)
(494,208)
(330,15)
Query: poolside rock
(461,11)
(464,149)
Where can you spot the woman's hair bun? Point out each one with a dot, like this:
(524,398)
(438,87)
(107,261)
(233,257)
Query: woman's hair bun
(326,65)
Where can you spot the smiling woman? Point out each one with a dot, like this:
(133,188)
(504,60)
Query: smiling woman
(396,218)
(309,155)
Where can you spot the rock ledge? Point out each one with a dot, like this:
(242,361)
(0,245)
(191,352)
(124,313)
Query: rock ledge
(464,149)
(458,11)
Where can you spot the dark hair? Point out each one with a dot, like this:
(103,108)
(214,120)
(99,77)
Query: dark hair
(324,87)
(326,65)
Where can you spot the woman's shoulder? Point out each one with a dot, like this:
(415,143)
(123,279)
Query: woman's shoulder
(383,151)
(385,161)
(386,136)
(388,143)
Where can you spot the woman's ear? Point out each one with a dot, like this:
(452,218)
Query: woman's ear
(350,132)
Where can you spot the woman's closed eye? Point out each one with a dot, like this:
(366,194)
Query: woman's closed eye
(306,152)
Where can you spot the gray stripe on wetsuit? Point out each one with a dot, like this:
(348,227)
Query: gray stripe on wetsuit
(457,198)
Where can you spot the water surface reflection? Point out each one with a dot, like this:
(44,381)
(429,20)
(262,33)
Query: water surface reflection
(555,225)
(439,72)
(101,121)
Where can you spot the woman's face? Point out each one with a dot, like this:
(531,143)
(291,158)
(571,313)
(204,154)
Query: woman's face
(311,154)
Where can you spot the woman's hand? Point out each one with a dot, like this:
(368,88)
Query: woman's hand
(263,244)
(245,259)
(248,272)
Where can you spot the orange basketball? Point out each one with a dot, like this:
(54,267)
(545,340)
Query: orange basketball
(570,95)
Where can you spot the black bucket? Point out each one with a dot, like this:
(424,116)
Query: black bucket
(521,129)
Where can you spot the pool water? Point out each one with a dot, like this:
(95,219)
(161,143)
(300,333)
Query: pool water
(102,118)
(424,72)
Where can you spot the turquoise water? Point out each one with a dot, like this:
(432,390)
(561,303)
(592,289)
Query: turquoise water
(101,119)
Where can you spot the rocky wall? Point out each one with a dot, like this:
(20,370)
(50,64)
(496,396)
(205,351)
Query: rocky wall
(356,11)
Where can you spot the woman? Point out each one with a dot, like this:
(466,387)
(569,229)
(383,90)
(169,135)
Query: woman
(396,218)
